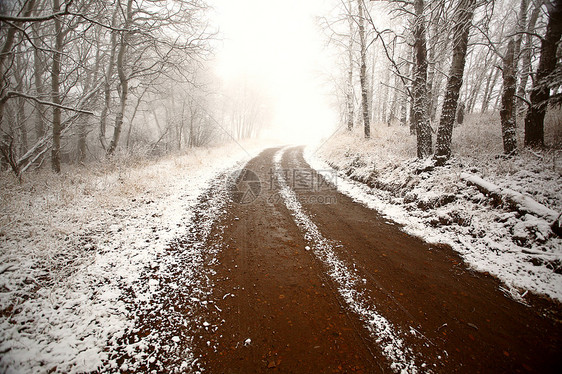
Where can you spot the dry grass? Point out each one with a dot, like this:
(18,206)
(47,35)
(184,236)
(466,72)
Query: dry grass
(477,146)
(478,135)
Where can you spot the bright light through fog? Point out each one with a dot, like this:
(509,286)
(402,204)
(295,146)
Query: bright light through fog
(278,46)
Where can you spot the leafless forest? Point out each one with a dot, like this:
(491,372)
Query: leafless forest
(430,63)
(83,79)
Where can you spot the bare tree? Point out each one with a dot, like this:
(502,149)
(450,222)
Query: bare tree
(123,78)
(437,46)
(490,84)
(80,47)
(419,93)
(527,52)
(461,29)
(39,68)
(363,70)
(350,97)
(421,115)
(540,93)
(109,77)
(55,88)
(519,30)
(507,112)
(6,51)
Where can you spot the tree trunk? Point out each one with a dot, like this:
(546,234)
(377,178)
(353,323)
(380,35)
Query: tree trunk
(38,80)
(478,79)
(396,101)
(55,90)
(403,110)
(460,113)
(5,52)
(134,115)
(411,119)
(372,80)
(383,97)
(490,83)
(363,73)
(405,99)
(507,112)
(521,24)
(108,78)
(534,121)
(123,80)
(21,120)
(497,102)
(191,130)
(472,96)
(461,30)
(421,115)
(22,126)
(527,53)
(434,104)
(349,93)
(83,126)
(438,41)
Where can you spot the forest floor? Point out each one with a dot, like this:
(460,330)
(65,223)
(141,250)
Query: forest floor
(186,265)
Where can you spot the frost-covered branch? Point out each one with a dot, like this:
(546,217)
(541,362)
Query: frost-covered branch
(11,94)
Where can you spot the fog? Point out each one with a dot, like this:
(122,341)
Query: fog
(278,47)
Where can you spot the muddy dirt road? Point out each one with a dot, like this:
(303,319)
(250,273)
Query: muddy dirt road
(305,280)
(309,281)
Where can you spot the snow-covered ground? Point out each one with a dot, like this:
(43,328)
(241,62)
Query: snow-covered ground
(440,206)
(71,244)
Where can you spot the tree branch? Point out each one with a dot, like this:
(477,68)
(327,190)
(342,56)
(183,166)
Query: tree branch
(48,17)
(524,100)
(11,94)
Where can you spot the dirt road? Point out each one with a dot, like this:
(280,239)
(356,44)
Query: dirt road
(380,300)
(305,280)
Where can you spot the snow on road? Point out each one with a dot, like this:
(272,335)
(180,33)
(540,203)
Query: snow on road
(70,246)
(402,358)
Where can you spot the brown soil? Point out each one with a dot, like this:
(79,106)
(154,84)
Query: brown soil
(268,288)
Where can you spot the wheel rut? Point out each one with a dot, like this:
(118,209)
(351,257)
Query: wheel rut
(278,309)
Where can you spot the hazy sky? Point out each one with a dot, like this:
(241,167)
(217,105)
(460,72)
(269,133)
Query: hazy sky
(277,44)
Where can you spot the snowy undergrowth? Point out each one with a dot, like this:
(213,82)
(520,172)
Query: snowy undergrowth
(71,244)
(435,204)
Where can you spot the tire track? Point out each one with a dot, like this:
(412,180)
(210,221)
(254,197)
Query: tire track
(402,358)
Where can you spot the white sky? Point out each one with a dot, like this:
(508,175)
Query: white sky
(277,43)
